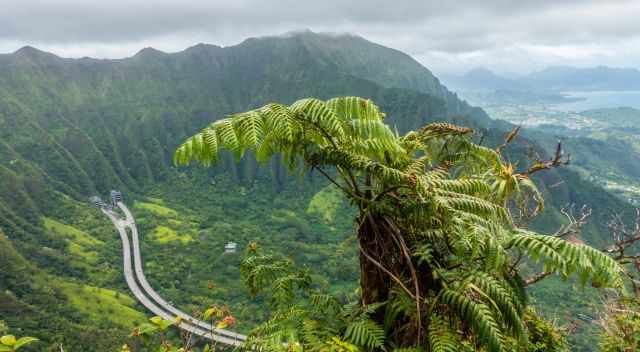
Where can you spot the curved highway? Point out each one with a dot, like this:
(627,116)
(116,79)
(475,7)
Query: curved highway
(156,304)
(129,222)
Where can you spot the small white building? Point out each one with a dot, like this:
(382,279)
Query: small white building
(230,247)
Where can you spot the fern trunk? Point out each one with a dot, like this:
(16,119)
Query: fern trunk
(375,284)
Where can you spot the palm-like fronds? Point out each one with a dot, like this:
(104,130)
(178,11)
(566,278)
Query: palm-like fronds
(565,258)
(433,221)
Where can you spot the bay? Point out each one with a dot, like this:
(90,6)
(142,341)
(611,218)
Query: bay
(598,100)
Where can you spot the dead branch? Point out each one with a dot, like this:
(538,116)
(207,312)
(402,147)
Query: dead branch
(557,160)
(574,223)
(626,240)
(509,138)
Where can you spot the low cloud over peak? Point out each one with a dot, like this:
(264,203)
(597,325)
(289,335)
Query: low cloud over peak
(514,36)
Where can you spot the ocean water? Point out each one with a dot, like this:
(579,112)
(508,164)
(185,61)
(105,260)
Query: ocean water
(600,99)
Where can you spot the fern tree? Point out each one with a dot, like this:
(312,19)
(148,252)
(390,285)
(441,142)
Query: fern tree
(434,230)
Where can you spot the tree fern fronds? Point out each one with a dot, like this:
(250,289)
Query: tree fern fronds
(466,186)
(399,304)
(442,338)
(565,257)
(370,129)
(495,228)
(284,286)
(418,166)
(280,120)
(210,137)
(365,332)
(315,336)
(518,287)
(478,315)
(433,209)
(282,327)
(335,344)
(474,206)
(440,129)
(259,271)
(227,134)
(325,303)
(357,162)
(424,252)
(480,154)
(352,108)
(537,196)
(372,137)
(495,256)
(250,127)
(506,302)
(320,115)
(541,248)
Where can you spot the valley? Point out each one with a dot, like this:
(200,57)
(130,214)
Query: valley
(616,126)
(72,128)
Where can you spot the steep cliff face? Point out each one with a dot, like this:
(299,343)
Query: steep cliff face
(94,124)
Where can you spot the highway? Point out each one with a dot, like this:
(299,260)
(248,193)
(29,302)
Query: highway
(156,304)
(129,222)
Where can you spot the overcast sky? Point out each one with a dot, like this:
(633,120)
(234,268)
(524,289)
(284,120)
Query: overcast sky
(446,36)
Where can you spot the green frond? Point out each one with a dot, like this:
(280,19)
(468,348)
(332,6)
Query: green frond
(372,137)
(325,303)
(250,127)
(317,336)
(474,205)
(418,166)
(468,186)
(479,315)
(518,287)
(335,344)
(227,134)
(399,304)
(474,158)
(355,108)
(495,256)
(443,338)
(433,191)
(441,129)
(528,184)
(319,114)
(504,300)
(356,162)
(366,333)
(565,258)
(279,120)
(350,123)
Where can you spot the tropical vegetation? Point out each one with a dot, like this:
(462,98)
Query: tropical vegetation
(74,128)
(439,246)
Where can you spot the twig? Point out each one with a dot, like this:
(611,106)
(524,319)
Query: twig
(394,277)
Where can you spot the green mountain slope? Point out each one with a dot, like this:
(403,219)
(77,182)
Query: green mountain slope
(71,128)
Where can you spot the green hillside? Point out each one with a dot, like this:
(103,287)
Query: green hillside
(72,128)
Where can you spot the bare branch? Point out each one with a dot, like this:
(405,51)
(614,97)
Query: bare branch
(510,137)
(537,277)
(557,160)
(574,224)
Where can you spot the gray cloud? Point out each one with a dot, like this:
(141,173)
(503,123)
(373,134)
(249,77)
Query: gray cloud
(508,35)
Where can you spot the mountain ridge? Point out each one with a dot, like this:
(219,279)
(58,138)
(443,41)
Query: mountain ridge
(71,128)
(552,79)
